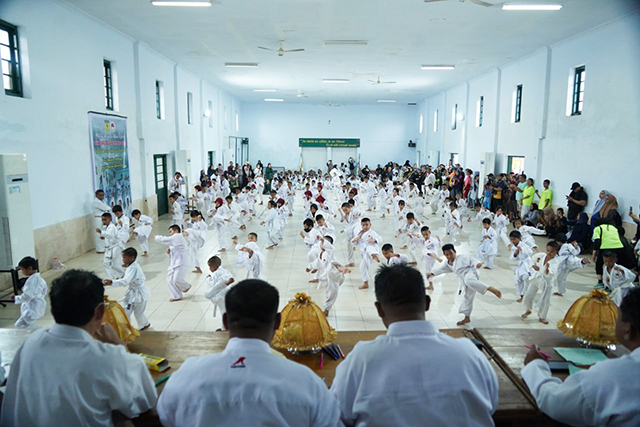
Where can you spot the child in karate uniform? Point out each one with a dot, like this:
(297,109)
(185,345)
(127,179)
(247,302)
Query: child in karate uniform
(142,231)
(177,212)
(178,269)
(273,223)
(617,279)
(351,228)
(311,238)
(568,261)
(430,247)
(411,229)
(221,219)
(283,212)
(453,222)
(545,267)
(467,271)
(489,245)
(325,227)
(368,240)
(137,294)
(521,252)
(330,273)
(461,204)
(31,298)
(392,257)
(501,222)
(432,196)
(196,233)
(112,248)
(526,233)
(418,205)
(218,283)
(250,256)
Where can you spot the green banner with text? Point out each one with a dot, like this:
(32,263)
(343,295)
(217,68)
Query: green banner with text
(324,142)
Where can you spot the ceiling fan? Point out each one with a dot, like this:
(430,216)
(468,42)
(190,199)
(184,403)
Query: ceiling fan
(378,82)
(478,2)
(281,51)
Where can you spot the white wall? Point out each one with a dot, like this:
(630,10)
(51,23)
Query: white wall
(600,148)
(384,130)
(64,50)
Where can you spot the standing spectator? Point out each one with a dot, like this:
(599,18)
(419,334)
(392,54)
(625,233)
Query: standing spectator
(606,237)
(546,198)
(609,213)
(519,190)
(576,201)
(528,194)
(498,188)
(581,232)
(268,176)
(602,199)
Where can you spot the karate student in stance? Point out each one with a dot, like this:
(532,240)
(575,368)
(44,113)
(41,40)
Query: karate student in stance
(545,267)
(330,273)
(178,252)
(489,245)
(78,371)
(31,298)
(246,384)
(368,240)
(221,220)
(273,222)
(391,257)
(177,212)
(467,271)
(568,261)
(378,385)
(617,279)
(137,294)
(606,394)
(250,256)
(351,219)
(122,223)
(453,222)
(430,247)
(412,228)
(311,238)
(99,207)
(196,233)
(218,283)
(142,231)
(520,252)
(112,249)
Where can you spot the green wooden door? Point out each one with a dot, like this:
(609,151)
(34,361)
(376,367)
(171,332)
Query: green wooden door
(160,173)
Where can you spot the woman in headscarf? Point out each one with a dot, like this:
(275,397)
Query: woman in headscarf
(581,232)
(602,198)
(609,213)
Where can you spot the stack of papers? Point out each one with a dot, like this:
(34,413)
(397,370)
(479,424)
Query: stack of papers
(581,356)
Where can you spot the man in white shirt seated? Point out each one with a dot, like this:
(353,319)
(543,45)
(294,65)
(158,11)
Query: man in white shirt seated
(604,395)
(246,384)
(63,376)
(414,375)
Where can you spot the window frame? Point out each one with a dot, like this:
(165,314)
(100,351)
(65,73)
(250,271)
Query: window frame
(15,61)
(480,112)
(517,115)
(189,108)
(454,119)
(107,76)
(435,121)
(578,82)
(158,101)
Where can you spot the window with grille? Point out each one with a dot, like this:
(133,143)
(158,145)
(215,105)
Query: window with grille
(10,58)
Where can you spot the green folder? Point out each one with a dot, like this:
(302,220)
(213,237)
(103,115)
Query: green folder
(581,356)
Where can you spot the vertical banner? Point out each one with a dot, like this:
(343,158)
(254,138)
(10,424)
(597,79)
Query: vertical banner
(110,159)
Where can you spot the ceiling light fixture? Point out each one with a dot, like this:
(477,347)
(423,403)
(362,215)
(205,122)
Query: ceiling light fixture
(264,90)
(335,81)
(346,42)
(386,100)
(201,3)
(438,67)
(274,100)
(241,64)
(531,6)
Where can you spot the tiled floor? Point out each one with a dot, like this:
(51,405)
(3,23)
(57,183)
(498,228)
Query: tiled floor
(354,308)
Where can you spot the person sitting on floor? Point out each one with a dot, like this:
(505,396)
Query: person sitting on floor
(603,395)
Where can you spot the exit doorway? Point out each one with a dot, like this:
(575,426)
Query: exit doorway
(454,159)
(212,158)
(160,173)
(516,164)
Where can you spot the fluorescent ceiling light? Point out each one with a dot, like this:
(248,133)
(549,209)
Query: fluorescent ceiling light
(241,64)
(274,100)
(386,100)
(531,6)
(201,3)
(346,42)
(264,90)
(438,67)
(335,81)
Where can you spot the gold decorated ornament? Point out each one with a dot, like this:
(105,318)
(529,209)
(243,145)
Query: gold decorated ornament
(117,318)
(591,319)
(303,328)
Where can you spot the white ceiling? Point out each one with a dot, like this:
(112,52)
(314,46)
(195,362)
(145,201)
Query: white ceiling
(402,35)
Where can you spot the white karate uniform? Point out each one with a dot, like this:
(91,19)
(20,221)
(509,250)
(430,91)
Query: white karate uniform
(33,304)
(273,224)
(178,264)
(246,385)
(543,281)
(253,263)
(604,395)
(488,246)
(283,213)
(137,294)
(123,229)
(327,230)
(431,246)
(452,223)
(352,227)
(619,280)
(501,222)
(329,277)
(411,242)
(526,232)
(112,259)
(197,231)
(465,268)
(397,260)
(522,271)
(98,207)
(63,376)
(220,217)
(143,231)
(367,250)
(413,376)
(177,214)
(568,261)
(175,185)
(217,288)
(433,197)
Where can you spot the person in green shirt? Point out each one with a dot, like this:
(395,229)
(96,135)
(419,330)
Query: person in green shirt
(528,193)
(546,198)
(606,237)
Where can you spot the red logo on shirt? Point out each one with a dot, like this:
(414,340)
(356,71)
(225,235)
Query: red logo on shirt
(239,363)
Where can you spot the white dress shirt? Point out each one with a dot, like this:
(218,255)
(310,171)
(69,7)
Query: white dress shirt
(246,385)
(61,376)
(414,376)
(604,395)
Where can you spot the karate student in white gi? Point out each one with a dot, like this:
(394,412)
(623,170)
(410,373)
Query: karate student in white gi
(250,256)
(218,283)
(178,269)
(122,223)
(99,207)
(311,238)
(617,279)
(177,211)
(142,231)
(368,241)
(330,273)
(391,257)
(221,219)
(137,294)
(520,252)
(453,223)
(78,371)
(246,384)
(352,220)
(112,249)
(488,245)
(414,375)
(175,184)
(568,261)
(607,393)
(501,222)
(32,296)
(273,224)
(411,230)
(430,247)
(467,271)
(544,267)
(527,233)
(195,233)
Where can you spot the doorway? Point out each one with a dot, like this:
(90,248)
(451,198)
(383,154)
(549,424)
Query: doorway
(516,164)
(212,158)
(314,158)
(160,173)
(454,159)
